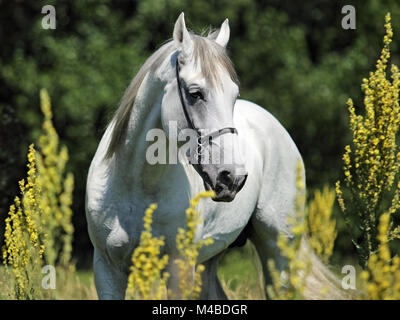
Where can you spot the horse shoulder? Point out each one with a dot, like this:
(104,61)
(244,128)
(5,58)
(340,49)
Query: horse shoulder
(111,221)
(279,156)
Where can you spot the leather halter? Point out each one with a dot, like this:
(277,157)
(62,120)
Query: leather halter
(202,140)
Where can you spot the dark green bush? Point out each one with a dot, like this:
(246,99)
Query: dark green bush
(293,58)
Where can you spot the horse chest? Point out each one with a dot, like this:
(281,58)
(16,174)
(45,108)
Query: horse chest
(119,244)
(115,229)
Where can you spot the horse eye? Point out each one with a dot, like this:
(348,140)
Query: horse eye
(196,95)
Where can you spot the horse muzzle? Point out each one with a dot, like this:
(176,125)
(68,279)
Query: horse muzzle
(227,186)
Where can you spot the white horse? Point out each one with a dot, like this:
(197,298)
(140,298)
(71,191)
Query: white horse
(189,80)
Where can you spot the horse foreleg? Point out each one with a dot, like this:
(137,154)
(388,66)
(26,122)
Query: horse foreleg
(211,286)
(109,280)
(174,291)
(265,242)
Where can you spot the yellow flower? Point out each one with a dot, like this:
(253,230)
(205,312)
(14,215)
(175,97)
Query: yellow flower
(321,227)
(381,279)
(372,169)
(147,277)
(292,286)
(33,233)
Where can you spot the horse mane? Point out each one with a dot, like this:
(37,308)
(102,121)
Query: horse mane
(212,57)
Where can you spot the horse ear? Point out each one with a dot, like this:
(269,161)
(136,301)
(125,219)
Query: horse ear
(223,35)
(182,37)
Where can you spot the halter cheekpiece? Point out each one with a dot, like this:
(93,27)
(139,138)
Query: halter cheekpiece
(202,140)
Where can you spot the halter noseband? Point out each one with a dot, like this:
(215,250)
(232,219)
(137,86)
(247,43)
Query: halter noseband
(202,140)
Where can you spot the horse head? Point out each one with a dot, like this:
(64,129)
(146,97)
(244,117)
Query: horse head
(201,97)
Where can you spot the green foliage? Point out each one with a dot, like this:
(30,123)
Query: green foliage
(382,274)
(38,227)
(372,162)
(321,228)
(56,189)
(23,248)
(10,161)
(293,58)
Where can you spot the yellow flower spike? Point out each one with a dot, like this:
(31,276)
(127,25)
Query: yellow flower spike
(374,164)
(382,278)
(320,225)
(27,246)
(189,250)
(292,285)
(146,279)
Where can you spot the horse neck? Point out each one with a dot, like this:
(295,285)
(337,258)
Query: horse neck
(131,161)
(145,115)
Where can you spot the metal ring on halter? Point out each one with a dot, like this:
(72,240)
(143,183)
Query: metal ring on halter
(199,141)
(197,153)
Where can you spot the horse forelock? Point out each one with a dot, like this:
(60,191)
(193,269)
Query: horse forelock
(212,59)
(210,56)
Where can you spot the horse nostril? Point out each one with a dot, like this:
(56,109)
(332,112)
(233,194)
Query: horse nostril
(218,188)
(224,177)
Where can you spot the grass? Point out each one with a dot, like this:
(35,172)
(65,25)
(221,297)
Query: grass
(240,273)
(237,272)
(85,277)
